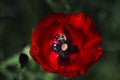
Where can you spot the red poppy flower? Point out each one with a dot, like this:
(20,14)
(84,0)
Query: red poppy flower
(67,44)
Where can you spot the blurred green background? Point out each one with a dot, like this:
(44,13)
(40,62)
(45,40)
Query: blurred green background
(19,17)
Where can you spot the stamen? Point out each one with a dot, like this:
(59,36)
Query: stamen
(55,47)
(60,37)
(63,37)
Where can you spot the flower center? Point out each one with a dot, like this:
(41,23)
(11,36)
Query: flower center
(64,47)
(60,44)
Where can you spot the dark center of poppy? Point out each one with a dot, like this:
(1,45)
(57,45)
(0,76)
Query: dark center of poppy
(62,45)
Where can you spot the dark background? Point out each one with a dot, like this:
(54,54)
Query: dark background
(19,17)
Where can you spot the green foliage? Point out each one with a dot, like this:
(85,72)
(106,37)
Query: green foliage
(19,17)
